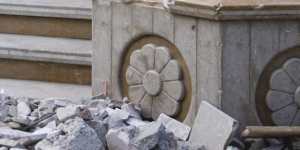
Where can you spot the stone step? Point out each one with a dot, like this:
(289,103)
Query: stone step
(60,60)
(38,89)
(56,18)
(47,49)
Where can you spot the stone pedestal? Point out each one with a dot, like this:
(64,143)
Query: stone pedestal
(241,56)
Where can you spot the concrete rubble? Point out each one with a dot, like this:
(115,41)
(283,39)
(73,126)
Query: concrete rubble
(103,124)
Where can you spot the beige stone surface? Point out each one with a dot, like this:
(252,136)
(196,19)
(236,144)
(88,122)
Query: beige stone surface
(162,57)
(171,71)
(133,77)
(152,83)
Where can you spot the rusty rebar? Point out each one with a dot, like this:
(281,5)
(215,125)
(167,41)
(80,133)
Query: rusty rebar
(271,131)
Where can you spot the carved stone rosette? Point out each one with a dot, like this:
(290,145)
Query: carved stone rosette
(283,97)
(154,81)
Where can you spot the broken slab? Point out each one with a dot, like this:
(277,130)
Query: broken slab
(148,136)
(212,128)
(77,135)
(65,113)
(119,139)
(179,129)
(23,109)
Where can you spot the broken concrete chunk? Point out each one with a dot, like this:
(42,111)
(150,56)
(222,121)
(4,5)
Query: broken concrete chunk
(14,125)
(3,148)
(12,110)
(148,136)
(99,103)
(179,129)
(117,118)
(167,141)
(65,113)
(130,108)
(212,128)
(184,145)
(15,148)
(119,138)
(25,137)
(77,135)
(23,109)
(136,122)
(101,128)
(9,143)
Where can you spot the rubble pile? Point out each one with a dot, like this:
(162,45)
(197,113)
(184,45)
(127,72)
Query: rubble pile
(100,123)
(95,124)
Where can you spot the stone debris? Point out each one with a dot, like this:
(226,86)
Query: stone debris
(179,129)
(99,123)
(212,127)
(65,113)
(94,124)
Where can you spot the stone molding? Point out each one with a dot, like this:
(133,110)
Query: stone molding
(78,9)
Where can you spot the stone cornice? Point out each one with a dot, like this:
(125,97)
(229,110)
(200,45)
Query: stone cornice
(238,9)
(78,9)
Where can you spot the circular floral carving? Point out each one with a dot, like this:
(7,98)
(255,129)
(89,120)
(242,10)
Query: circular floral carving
(283,96)
(154,81)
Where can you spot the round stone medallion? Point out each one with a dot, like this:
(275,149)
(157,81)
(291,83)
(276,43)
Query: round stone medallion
(155,76)
(155,81)
(152,83)
(278,90)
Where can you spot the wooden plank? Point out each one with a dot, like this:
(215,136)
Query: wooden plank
(121,35)
(235,79)
(102,46)
(163,24)
(186,42)
(209,53)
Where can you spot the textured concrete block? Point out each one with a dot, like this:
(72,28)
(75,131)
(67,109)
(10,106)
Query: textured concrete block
(212,127)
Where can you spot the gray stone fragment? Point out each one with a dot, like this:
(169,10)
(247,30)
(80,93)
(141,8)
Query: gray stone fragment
(98,103)
(77,136)
(183,145)
(101,128)
(12,111)
(15,148)
(130,108)
(274,147)
(9,143)
(167,141)
(179,129)
(212,128)
(3,148)
(65,113)
(232,148)
(23,109)
(25,120)
(136,122)
(14,125)
(117,117)
(257,144)
(119,138)
(25,137)
(148,136)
